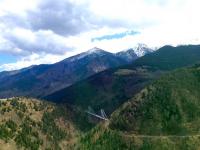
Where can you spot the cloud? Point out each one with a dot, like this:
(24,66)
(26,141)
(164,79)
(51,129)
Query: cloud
(115,36)
(36,42)
(62,17)
(47,26)
(43,27)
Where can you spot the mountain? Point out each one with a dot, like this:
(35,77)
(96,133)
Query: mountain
(161,109)
(41,80)
(142,49)
(128,55)
(163,115)
(169,57)
(109,89)
(138,51)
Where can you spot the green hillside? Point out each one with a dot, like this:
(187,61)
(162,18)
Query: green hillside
(164,115)
(171,105)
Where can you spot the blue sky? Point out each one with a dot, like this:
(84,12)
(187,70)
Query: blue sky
(5,58)
(46,31)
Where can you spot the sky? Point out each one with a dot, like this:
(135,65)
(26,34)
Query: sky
(36,32)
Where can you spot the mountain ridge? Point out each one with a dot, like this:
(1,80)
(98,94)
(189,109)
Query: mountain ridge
(41,80)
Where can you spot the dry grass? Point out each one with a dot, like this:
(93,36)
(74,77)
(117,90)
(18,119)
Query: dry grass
(8,146)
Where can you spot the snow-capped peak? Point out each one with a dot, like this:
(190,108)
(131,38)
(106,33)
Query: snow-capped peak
(142,49)
(94,52)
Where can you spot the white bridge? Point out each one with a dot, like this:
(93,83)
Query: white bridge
(102,116)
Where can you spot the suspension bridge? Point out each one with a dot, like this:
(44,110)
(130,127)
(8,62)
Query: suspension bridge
(102,115)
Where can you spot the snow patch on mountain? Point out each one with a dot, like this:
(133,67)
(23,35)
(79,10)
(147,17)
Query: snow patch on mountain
(94,52)
(142,49)
(128,55)
(139,50)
